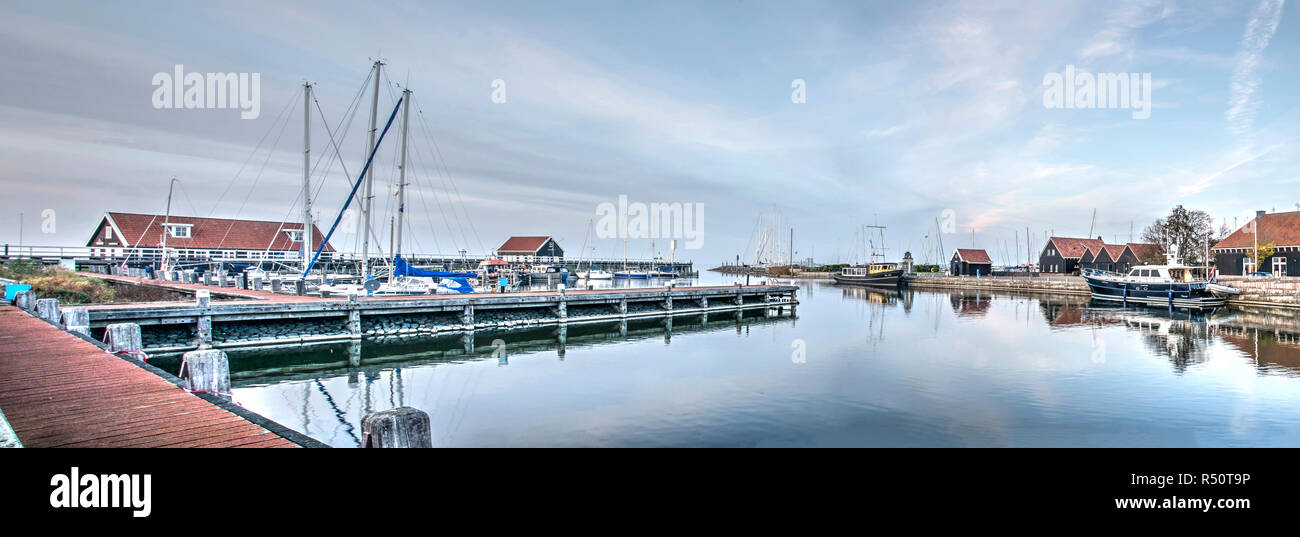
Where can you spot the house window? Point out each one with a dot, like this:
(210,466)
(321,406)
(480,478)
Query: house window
(1247,265)
(179,231)
(108,233)
(295,235)
(1279,266)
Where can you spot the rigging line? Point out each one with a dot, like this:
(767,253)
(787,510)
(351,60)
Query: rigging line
(338,414)
(354,189)
(461,199)
(424,203)
(446,192)
(256,148)
(253,187)
(343,128)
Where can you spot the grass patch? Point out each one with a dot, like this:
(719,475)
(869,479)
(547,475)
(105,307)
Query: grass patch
(57,282)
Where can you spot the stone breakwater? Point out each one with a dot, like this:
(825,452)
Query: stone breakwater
(1269,292)
(1065,285)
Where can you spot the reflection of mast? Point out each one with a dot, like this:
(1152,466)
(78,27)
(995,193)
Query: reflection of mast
(338,414)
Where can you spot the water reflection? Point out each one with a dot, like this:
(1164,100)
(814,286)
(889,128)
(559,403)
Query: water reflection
(877,367)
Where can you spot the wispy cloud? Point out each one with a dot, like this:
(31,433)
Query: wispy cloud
(1242,105)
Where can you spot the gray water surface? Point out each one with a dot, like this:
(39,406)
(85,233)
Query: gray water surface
(852,367)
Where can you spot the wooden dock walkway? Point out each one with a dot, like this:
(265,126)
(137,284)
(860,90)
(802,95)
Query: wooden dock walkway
(58,390)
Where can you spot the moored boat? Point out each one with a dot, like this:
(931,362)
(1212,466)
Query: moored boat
(875,274)
(1173,284)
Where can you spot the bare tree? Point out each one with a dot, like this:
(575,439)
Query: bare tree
(1188,230)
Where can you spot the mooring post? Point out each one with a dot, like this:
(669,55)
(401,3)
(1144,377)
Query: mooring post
(562,307)
(402,427)
(123,337)
(25,300)
(48,309)
(622,306)
(467,316)
(275,285)
(354,316)
(221,280)
(257,283)
(241,281)
(203,298)
(703,301)
(203,329)
(206,370)
(208,278)
(299,287)
(76,320)
(668,302)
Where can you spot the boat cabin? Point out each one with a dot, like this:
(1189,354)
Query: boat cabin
(874,268)
(1158,273)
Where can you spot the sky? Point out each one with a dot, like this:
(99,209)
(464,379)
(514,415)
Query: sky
(919,116)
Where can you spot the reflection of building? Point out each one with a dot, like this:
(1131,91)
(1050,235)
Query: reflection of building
(975,305)
(1232,254)
(1269,348)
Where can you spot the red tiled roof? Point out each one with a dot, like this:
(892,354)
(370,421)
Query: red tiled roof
(974,256)
(1114,250)
(1144,250)
(1074,248)
(522,244)
(145,230)
(1281,229)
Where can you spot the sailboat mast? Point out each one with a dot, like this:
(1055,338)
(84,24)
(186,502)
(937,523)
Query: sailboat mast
(370,178)
(401,175)
(306,175)
(167,220)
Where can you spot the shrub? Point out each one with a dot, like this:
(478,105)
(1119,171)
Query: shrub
(69,288)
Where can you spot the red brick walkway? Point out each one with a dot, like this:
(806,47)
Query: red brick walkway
(58,390)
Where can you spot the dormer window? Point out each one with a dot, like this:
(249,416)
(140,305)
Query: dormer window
(179,231)
(295,235)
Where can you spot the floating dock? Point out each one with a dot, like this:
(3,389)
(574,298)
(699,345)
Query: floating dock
(60,390)
(249,318)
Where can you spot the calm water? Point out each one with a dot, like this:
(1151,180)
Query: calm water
(852,368)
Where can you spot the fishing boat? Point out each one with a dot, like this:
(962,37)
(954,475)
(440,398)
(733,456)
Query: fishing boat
(874,274)
(1173,284)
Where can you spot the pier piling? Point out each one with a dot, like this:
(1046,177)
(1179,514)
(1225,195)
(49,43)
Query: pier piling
(77,320)
(203,298)
(48,309)
(402,427)
(206,371)
(123,337)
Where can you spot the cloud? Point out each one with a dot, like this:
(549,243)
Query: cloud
(1242,105)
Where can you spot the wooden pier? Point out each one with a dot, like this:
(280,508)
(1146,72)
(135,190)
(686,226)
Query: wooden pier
(254,318)
(60,390)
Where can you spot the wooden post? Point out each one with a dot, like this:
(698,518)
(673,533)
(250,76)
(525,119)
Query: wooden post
(241,281)
(402,427)
(203,298)
(299,287)
(622,306)
(76,320)
(467,317)
(25,300)
(123,337)
(257,283)
(206,371)
(203,329)
(275,285)
(48,309)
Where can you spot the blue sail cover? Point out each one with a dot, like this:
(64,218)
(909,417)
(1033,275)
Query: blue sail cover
(402,268)
(457,285)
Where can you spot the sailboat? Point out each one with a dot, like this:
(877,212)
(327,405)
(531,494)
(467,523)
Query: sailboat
(592,272)
(628,274)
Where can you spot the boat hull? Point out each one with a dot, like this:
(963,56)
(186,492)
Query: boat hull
(889,278)
(1182,295)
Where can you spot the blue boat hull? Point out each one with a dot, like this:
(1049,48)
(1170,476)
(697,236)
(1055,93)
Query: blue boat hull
(1183,295)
